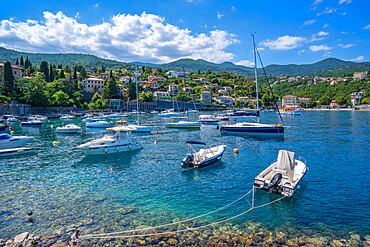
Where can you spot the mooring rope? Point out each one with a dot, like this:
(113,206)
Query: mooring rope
(182,230)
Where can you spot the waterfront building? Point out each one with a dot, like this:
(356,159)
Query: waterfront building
(206,97)
(289,101)
(93,85)
(162,94)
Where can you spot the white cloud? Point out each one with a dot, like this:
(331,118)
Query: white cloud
(326,25)
(283,43)
(246,63)
(357,59)
(346,46)
(233,8)
(322,33)
(320,48)
(317,2)
(300,52)
(96,5)
(219,16)
(309,22)
(144,37)
(343,32)
(367,27)
(345,1)
(328,11)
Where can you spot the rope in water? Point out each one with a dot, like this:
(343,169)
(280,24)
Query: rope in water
(174,223)
(183,230)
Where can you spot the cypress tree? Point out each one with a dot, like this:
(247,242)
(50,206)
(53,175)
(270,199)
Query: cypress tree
(75,73)
(17,62)
(51,73)
(131,90)
(44,68)
(8,78)
(22,64)
(111,74)
(103,68)
(62,75)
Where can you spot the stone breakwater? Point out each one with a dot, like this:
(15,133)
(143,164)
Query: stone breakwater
(226,235)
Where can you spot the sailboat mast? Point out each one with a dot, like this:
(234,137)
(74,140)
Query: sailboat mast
(137,96)
(255,74)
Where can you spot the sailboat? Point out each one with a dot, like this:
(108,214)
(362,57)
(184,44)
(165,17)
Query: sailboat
(138,128)
(184,124)
(249,127)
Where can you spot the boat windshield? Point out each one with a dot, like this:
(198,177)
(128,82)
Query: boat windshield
(5,136)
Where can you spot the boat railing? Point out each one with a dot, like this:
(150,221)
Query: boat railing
(300,158)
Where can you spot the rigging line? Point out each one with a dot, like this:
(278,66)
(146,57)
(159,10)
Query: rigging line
(264,71)
(188,229)
(174,223)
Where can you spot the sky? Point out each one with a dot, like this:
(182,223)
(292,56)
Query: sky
(286,32)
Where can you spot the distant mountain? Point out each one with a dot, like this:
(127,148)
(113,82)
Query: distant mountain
(327,67)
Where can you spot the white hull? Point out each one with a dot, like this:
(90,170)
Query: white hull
(16,151)
(184,125)
(141,128)
(16,141)
(67,131)
(110,149)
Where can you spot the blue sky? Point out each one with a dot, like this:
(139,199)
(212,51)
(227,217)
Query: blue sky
(286,32)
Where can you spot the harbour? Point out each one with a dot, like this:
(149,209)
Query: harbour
(67,190)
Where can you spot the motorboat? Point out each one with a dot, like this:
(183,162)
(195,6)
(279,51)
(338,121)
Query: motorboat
(39,117)
(192,111)
(282,176)
(66,117)
(9,118)
(9,141)
(122,121)
(122,141)
(244,127)
(33,121)
(68,129)
(208,119)
(184,125)
(3,127)
(140,128)
(17,151)
(97,123)
(222,117)
(169,113)
(290,111)
(204,157)
(154,112)
(253,128)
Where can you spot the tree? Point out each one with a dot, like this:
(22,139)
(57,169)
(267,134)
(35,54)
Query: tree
(97,103)
(146,96)
(21,62)
(61,74)
(111,74)
(83,74)
(341,100)
(8,78)
(51,73)
(67,69)
(37,95)
(302,104)
(131,90)
(364,100)
(44,68)
(111,90)
(61,98)
(103,68)
(27,63)
(267,100)
(325,100)
(311,104)
(75,74)
(17,62)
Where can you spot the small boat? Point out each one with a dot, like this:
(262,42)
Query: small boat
(9,141)
(169,113)
(282,176)
(121,121)
(204,157)
(9,118)
(253,128)
(66,117)
(97,123)
(154,112)
(290,111)
(192,111)
(16,151)
(68,129)
(140,128)
(208,119)
(3,127)
(33,121)
(222,117)
(120,142)
(184,125)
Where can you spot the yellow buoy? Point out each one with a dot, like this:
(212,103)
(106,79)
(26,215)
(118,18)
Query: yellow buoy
(56,142)
(236,151)
(51,126)
(111,122)
(12,132)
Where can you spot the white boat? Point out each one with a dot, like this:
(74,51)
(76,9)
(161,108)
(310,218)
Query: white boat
(290,111)
(282,176)
(9,118)
(208,119)
(97,123)
(68,129)
(140,128)
(154,112)
(122,141)
(66,117)
(243,127)
(169,113)
(33,121)
(8,141)
(192,111)
(16,151)
(204,157)
(184,125)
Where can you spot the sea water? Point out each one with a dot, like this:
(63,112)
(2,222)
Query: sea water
(67,190)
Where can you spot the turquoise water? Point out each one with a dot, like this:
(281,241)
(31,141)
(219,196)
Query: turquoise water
(67,190)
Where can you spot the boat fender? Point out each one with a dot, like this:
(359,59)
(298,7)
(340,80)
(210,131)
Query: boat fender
(236,151)
(273,188)
(56,143)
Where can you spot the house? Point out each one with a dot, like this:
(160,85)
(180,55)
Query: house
(183,74)
(359,75)
(226,100)
(305,100)
(207,86)
(172,73)
(173,88)
(203,79)
(153,84)
(157,78)
(290,79)
(161,94)
(104,75)
(188,89)
(289,100)
(124,79)
(197,81)
(228,89)
(223,91)
(93,85)
(356,96)
(334,104)
(115,103)
(17,71)
(206,97)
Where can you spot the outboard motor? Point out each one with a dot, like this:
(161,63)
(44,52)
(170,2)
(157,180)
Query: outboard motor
(186,161)
(274,186)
